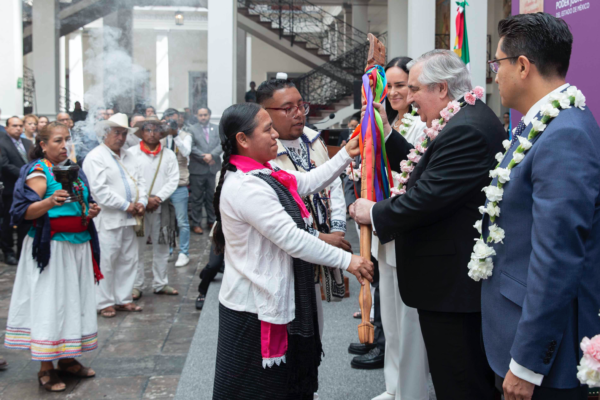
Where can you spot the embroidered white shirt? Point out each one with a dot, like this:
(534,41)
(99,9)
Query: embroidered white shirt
(262,238)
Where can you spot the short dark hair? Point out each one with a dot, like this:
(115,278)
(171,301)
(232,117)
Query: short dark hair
(355,117)
(153,109)
(204,108)
(544,39)
(8,120)
(170,111)
(267,88)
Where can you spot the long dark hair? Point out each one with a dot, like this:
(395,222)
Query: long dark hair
(43,136)
(400,62)
(237,118)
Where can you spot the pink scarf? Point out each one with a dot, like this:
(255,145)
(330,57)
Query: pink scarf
(247,164)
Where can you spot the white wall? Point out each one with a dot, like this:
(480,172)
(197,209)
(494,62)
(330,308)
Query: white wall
(267,59)
(187,52)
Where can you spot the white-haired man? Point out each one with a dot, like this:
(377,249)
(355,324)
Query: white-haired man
(432,223)
(117,184)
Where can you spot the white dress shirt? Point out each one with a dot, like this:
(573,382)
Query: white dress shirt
(262,238)
(114,180)
(167,178)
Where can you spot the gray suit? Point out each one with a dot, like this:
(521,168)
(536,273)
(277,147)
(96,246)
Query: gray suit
(202,175)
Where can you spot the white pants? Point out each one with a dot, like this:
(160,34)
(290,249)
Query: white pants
(160,255)
(119,259)
(405,368)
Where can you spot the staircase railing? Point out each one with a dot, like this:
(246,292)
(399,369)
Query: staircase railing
(334,81)
(303,22)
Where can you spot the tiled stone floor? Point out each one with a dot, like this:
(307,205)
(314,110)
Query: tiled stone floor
(140,355)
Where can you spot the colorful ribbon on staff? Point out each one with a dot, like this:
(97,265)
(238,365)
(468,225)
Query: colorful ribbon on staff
(377,174)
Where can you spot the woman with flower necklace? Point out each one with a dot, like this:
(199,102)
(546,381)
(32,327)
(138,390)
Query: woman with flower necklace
(53,307)
(269,345)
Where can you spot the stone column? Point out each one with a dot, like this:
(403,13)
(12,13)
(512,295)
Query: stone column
(162,71)
(421,27)
(222,71)
(360,15)
(118,38)
(241,65)
(11,68)
(248,61)
(46,32)
(397,33)
(75,63)
(477,12)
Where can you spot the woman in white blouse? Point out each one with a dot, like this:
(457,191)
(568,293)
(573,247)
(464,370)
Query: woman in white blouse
(269,346)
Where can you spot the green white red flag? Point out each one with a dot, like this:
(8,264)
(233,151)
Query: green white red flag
(461,44)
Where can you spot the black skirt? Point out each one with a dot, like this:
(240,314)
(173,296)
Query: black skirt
(239,374)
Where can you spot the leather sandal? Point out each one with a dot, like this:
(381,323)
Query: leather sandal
(53,380)
(128,307)
(81,372)
(108,312)
(168,290)
(136,294)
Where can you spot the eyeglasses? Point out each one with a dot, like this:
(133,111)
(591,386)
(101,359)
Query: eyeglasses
(495,65)
(292,110)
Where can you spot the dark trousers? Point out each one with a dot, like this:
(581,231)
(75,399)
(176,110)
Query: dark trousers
(457,361)
(545,393)
(208,273)
(7,242)
(379,335)
(203,193)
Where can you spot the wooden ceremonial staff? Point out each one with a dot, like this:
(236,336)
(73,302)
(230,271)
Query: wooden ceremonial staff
(366,331)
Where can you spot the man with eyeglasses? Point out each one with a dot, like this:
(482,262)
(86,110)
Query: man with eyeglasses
(542,297)
(302,149)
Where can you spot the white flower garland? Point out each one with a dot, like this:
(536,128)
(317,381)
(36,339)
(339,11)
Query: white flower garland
(407,121)
(414,156)
(481,265)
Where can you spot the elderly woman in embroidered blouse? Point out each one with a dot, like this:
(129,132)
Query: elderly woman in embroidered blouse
(53,309)
(269,345)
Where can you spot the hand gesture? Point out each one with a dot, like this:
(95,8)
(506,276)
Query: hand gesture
(140,210)
(515,388)
(94,210)
(208,158)
(360,211)
(353,147)
(58,198)
(153,203)
(361,268)
(336,239)
(387,128)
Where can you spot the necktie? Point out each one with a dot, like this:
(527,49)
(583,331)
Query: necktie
(21,150)
(206,133)
(517,132)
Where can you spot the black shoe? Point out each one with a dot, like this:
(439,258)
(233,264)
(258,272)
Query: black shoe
(372,360)
(10,259)
(200,301)
(360,349)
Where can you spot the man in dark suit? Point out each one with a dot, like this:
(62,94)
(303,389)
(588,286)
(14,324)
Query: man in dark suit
(432,223)
(543,295)
(2,129)
(15,149)
(205,162)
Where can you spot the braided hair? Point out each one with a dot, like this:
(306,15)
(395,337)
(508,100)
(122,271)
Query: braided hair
(235,119)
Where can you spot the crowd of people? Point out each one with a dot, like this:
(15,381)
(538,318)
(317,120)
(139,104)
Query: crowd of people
(502,314)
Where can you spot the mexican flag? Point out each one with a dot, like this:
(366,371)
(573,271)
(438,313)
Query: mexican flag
(461,45)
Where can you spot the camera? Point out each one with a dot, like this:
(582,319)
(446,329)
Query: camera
(172,124)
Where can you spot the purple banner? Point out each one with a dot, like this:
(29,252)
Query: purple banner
(582,16)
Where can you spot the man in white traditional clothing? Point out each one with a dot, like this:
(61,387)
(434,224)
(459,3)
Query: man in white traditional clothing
(118,186)
(302,149)
(161,175)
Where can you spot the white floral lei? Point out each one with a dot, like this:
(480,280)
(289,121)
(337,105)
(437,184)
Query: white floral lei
(481,265)
(414,156)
